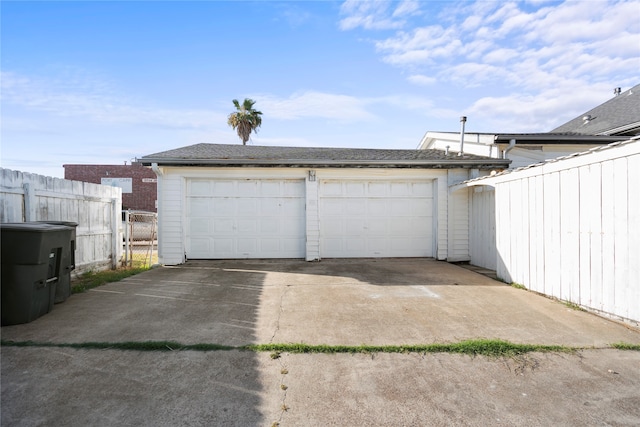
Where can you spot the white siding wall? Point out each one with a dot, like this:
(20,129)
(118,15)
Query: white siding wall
(96,208)
(571,229)
(172,194)
(521,156)
(458,213)
(171,190)
(482,227)
(313,221)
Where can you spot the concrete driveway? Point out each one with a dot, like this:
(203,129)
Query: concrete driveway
(350,302)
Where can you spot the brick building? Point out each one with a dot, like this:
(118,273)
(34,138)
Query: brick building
(138,183)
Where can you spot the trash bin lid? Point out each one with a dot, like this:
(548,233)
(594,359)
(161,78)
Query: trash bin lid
(65,223)
(32,227)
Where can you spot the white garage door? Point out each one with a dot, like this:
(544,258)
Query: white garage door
(245,218)
(376,219)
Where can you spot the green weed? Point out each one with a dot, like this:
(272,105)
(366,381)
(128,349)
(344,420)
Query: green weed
(626,346)
(93,279)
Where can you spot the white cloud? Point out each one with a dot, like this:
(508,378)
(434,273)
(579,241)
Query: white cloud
(316,105)
(497,33)
(422,80)
(95,100)
(407,8)
(376,14)
(531,112)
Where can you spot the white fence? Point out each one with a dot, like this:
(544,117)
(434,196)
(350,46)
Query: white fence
(569,228)
(482,227)
(96,208)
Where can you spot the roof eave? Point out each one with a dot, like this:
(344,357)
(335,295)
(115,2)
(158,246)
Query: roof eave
(449,164)
(558,139)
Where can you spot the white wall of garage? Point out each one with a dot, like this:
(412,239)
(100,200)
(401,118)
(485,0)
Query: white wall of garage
(173,209)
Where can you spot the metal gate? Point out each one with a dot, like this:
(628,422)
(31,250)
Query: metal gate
(140,238)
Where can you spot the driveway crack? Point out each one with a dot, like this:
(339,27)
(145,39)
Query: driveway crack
(279,314)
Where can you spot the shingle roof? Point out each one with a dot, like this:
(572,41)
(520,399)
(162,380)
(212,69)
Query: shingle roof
(618,116)
(251,155)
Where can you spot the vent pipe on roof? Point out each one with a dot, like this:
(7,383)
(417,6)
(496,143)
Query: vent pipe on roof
(463,120)
(512,144)
(617,91)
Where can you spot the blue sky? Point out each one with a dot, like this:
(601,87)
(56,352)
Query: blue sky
(106,82)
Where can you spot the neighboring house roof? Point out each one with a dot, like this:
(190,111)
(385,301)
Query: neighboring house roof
(250,155)
(556,138)
(593,150)
(521,138)
(618,116)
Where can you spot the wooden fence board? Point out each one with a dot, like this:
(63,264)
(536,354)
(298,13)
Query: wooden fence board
(571,229)
(31,197)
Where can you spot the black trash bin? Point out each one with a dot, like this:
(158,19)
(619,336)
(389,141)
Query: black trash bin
(31,262)
(68,261)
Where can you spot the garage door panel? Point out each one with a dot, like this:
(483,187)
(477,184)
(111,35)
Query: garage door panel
(270,245)
(292,245)
(245,218)
(422,189)
(420,226)
(219,207)
(377,246)
(222,226)
(246,207)
(200,188)
(333,227)
(199,206)
(247,227)
(380,189)
(378,207)
(200,245)
(378,226)
(291,207)
(247,188)
(269,206)
(269,225)
(219,188)
(200,225)
(333,245)
(222,245)
(269,189)
(247,246)
(353,189)
(376,218)
(355,244)
(401,207)
(401,189)
(293,189)
(332,207)
(353,226)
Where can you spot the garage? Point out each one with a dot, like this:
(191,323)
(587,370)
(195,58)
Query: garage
(372,218)
(224,201)
(248,218)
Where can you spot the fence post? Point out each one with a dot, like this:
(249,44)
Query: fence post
(127,236)
(29,213)
(115,226)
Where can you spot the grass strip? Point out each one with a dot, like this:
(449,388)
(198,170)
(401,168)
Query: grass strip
(471,347)
(93,279)
(494,348)
(626,346)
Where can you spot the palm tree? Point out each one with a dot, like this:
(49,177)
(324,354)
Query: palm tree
(245,120)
